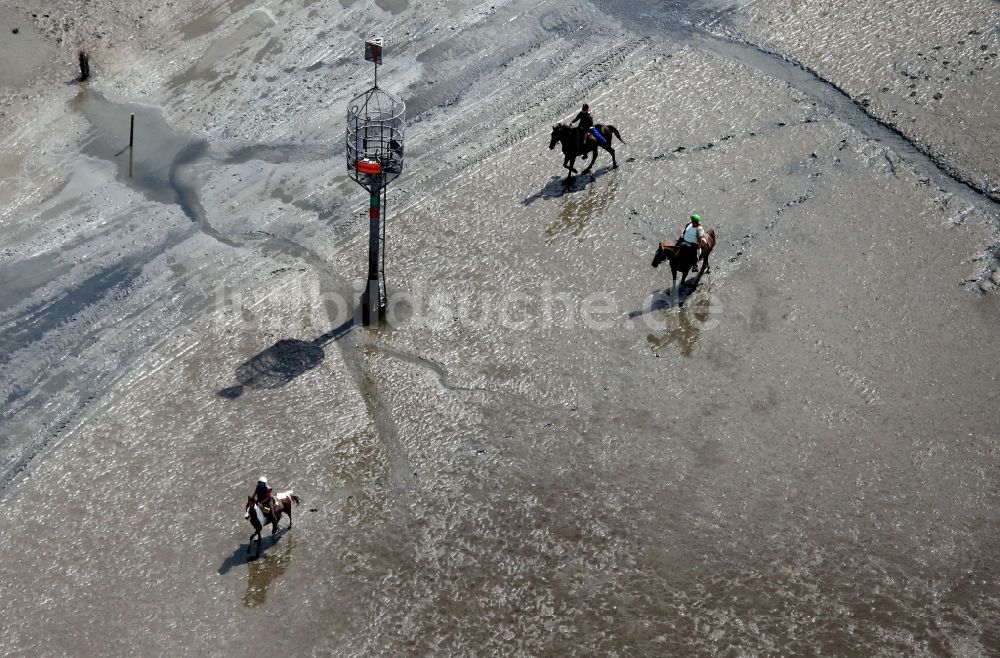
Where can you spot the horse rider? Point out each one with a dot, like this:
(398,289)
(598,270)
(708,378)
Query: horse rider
(586,120)
(692,235)
(262,496)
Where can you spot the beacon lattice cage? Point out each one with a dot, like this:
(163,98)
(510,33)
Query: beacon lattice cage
(375,138)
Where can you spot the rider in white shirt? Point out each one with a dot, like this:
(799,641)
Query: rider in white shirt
(692,234)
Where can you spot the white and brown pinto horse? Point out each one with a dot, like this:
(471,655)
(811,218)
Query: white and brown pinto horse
(258,517)
(685,259)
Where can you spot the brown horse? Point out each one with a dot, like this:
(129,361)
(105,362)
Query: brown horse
(258,517)
(572,149)
(683,259)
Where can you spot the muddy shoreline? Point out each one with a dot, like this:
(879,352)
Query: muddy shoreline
(543,453)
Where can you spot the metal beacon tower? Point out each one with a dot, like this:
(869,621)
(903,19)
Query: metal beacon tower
(374,159)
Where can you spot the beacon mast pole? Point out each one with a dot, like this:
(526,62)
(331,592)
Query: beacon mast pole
(374,158)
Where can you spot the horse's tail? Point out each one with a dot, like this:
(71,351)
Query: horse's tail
(296,499)
(614,131)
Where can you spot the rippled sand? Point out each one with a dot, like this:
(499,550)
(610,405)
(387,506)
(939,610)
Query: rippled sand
(930,71)
(543,454)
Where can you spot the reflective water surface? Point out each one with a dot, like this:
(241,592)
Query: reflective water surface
(551,451)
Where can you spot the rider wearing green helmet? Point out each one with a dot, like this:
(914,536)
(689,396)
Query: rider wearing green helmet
(692,234)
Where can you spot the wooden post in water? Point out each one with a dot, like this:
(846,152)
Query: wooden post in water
(84,66)
(131,138)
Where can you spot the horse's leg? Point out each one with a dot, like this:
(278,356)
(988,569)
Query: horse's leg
(257,535)
(568,164)
(686,268)
(614,160)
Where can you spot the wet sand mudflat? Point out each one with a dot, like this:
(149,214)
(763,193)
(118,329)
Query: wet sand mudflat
(928,70)
(540,458)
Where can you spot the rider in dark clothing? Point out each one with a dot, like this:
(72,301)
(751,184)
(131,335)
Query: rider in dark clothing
(585,118)
(586,123)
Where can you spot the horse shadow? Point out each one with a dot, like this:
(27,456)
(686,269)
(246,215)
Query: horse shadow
(663,298)
(241,554)
(553,189)
(558,186)
(263,568)
(284,361)
(681,329)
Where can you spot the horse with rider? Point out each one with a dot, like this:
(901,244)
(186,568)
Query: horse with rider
(264,507)
(584,140)
(693,246)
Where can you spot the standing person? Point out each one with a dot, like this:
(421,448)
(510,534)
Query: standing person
(262,496)
(692,235)
(586,120)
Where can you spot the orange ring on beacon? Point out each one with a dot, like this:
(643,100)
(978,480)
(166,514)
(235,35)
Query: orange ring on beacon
(366,167)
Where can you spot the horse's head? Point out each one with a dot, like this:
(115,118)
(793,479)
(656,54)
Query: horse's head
(663,252)
(556,133)
(246,512)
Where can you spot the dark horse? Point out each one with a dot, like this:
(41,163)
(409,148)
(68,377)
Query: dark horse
(683,259)
(282,505)
(570,139)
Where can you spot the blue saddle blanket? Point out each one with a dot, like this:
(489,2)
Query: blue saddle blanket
(598,136)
